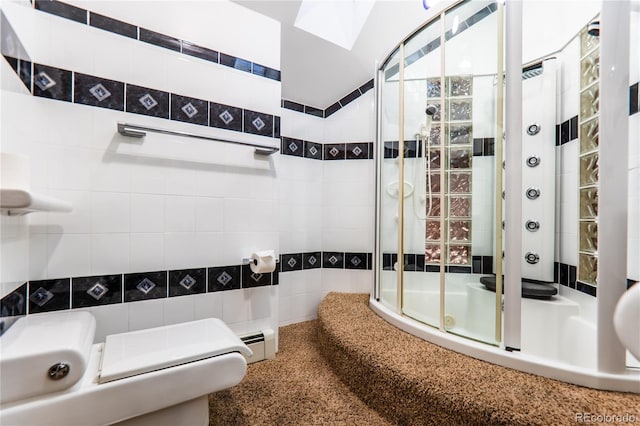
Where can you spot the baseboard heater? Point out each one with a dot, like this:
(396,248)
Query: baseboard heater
(262,344)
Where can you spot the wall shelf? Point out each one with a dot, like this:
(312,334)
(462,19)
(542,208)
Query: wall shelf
(18,202)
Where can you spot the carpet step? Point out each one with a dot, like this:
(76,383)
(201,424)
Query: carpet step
(413,382)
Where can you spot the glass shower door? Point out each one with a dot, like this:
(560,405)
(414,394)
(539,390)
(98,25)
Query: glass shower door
(471,57)
(387,181)
(422,160)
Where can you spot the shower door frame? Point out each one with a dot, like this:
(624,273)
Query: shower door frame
(613,249)
(513,332)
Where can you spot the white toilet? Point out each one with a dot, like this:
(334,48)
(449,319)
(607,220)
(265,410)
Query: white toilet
(52,373)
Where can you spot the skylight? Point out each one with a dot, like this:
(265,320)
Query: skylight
(337,21)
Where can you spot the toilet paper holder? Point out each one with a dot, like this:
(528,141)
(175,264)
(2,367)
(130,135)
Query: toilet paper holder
(250,260)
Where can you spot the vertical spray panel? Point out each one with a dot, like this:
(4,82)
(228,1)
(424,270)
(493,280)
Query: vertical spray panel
(538,172)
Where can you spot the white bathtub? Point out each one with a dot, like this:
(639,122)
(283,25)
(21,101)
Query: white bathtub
(558,337)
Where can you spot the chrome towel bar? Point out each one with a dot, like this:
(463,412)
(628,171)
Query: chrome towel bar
(137,131)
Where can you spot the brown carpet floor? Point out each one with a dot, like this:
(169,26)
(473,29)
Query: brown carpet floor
(350,367)
(411,381)
(298,387)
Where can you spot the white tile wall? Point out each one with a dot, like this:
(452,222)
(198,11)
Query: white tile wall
(483,206)
(325,205)
(154,204)
(567,221)
(354,122)
(146,252)
(110,253)
(569,75)
(110,212)
(68,255)
(111,319)
(179,309)
(15,241)
(300,295)
(148,212)
(145,314)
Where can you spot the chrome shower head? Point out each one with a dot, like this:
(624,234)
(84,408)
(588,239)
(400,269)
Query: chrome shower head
(431,109)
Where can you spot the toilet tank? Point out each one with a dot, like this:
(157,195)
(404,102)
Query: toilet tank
(44,353)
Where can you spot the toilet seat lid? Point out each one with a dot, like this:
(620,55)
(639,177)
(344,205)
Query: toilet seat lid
(138,352)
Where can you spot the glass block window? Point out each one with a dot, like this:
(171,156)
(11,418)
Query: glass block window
(451,155)
(588,158)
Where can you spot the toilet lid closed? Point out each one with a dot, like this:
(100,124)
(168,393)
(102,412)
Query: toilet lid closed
(138,352)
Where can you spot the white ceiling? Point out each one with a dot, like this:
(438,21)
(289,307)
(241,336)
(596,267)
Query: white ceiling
(316,72)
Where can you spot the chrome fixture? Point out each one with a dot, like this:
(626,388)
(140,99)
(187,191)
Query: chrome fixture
(533,129)
(533,193)
(532,257)
(431,109)
(59,371)
(137,131)
(532,225)
(533,161)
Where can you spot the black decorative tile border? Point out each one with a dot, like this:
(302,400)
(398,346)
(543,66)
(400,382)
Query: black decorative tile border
(326,112)
(62,9)
(634,101)
(482,264)
(415,262)
(113,25)
(567,131)
(22,68)
(69,86)
(14,303)
(484,147)
(312,260)
(49,295)
(125,29)
(96,291)
(317,151)
(413,149)
(325,259)
(586,289)
(566,275)
(81,292)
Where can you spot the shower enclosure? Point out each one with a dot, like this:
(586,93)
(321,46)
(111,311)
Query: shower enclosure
(468,208)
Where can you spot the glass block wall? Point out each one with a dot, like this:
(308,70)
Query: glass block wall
(451,155)
(588,158)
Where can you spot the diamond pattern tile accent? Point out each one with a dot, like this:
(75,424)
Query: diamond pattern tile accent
(258,123)
(224,278)
(148,102)
(189,110)
(41,296)
(313,150)
(44,82)
(357,151)
(97,291)
(313,260)
(293,147)
(354,260)
(292,262)
(100,92)
(256,277)
(333,260)
(146,285)
(187,282)
(334,151)
(226,117)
